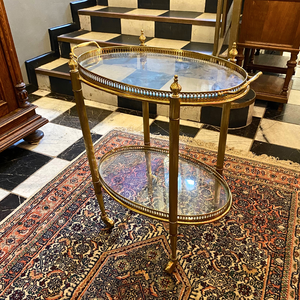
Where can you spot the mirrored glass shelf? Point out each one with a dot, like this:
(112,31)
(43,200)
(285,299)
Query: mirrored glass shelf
(138,177)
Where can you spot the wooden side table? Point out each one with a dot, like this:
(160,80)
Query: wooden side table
(270,25)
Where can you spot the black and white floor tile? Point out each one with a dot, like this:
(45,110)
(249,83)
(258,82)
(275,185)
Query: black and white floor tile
(25,168)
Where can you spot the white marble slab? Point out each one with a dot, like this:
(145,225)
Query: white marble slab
(190,113)
(279,133)
(186,112)
(294,97)
(98,36)
(117,120)
(162,110)
(166,43)
(41,93)
(96,7)
(258,111)
(134,27)
(183,5)
(203,34)
(3,194)
(237,142)
(51,108)
(54,64)
(250,114)
(123,3)
(146,12)
(85,22)
(56,139)
(182,122)
(207,17)
(93,94)
(100,105)
(40,178)
(43,82)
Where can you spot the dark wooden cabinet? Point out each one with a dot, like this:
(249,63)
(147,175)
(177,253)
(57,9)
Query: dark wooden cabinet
(270,25)
(17,116)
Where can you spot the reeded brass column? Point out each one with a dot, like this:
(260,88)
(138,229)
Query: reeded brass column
(223,137)
(225,121)
(174,118)
(146,126)
(76,86)
(145,105)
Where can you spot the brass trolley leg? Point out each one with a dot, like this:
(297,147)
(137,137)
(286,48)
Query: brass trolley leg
(145,106)
(223,137)
(76,85)
(173,170)
(146,129)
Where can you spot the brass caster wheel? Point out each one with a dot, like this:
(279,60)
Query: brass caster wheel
(171,266)
(108,222)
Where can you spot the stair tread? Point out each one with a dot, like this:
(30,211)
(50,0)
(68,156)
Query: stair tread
(54,64)
(125,39)
(188,17)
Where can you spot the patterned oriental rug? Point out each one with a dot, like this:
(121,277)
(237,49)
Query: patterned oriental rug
(56,246)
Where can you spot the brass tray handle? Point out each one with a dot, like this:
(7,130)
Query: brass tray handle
(84,45)
(250,79)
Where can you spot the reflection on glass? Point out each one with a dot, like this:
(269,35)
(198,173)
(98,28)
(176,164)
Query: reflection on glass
(154,70)
(129,175)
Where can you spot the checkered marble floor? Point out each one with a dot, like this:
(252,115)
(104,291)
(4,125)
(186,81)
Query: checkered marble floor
(25,168)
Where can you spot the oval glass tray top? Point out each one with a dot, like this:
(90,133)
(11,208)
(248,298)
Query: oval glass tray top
(137,177)
(149,71)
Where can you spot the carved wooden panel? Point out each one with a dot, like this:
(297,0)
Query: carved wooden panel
(274,23)
(17,116)
(6,87)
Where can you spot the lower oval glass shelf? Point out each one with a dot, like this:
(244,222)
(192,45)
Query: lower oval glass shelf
(138,178)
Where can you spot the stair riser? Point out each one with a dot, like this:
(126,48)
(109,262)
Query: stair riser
(208,115)
(176,31)
(183,5)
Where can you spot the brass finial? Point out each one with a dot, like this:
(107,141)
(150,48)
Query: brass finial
(142,38)
(233,53)
(72,62)
(175,87)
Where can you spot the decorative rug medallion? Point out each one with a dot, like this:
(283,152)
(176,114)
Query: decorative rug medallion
(135,271)
(56,247)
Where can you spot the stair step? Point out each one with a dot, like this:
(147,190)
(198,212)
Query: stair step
(192,5)
(167,24)
(189,26)
(102,38)
(168,16)
(109,39)
(48,74)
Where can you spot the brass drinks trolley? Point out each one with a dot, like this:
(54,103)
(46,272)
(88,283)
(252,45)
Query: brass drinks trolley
(155,182)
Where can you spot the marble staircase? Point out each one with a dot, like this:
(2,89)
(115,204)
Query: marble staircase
(170,24)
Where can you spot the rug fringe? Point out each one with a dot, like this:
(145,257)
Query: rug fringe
(266,159)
